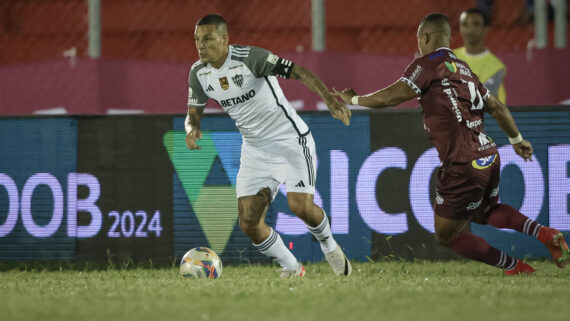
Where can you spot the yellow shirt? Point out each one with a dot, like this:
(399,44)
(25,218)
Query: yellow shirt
(490,70)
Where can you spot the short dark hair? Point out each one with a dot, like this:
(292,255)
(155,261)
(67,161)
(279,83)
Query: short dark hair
(486,20)
(212,19)
(438,20)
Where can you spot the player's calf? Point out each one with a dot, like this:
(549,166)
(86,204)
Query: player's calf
(303,206)
(252,213)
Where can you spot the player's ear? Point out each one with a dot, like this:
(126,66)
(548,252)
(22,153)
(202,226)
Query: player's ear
(426,38)
(226,39)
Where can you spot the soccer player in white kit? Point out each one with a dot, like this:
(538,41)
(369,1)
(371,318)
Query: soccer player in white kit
(277,144)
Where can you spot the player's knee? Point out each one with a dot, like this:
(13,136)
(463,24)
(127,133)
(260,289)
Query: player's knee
(256,204)
(249,221)
(248,224)
(300,206)
(261,200)
(251,210)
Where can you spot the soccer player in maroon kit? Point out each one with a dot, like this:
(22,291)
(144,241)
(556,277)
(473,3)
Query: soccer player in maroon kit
(453,103)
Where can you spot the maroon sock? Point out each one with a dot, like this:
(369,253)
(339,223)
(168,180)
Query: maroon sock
(476,248)
(504,216)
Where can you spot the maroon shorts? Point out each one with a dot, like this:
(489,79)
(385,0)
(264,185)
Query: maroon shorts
(465,190)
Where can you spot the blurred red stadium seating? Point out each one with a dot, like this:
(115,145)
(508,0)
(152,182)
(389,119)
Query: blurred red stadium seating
(162,30)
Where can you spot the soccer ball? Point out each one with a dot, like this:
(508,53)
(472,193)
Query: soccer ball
(201,263)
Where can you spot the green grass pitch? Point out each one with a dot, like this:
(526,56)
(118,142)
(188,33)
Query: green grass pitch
(420,290)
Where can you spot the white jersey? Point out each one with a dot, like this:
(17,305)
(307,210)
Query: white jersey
(247,89)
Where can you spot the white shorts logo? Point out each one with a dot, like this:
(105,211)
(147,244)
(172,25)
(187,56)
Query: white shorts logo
(474,205)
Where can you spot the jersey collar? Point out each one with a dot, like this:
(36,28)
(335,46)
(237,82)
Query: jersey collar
(442,48)
(226,62)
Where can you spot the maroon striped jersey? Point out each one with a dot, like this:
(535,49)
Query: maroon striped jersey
(452,100)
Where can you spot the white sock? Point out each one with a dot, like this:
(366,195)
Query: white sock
(274,248)
(322,232)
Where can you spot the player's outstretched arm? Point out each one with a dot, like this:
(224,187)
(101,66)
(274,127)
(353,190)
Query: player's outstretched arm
(192,127)
(393,95)
(337,109)
(504,118)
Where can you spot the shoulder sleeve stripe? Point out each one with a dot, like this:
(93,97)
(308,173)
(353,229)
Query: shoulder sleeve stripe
(196,64)
(241,49)
(411,84)
(487,95)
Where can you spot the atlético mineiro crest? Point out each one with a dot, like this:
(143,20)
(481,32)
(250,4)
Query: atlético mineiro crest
(224,83)
(238,79)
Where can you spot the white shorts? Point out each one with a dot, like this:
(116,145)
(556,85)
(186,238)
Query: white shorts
(291,161)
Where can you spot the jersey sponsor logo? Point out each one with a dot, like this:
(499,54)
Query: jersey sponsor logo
(235,67)
(484,162)
(189,92)
(238,80)
(237,100)
(475,123)
(474,205)
(445,82)
(463,69)
(451,66)
(485,141)
(272,59)
(416,73)
(192,101)
(485,147)
(454,104)
(224,83)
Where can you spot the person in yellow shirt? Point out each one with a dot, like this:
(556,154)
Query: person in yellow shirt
(473,26)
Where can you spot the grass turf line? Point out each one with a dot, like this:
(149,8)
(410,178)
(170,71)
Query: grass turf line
(420,290)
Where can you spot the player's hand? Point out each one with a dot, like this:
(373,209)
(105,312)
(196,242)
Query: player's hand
(192,137)
(339,111)
(524,150)
(345,95)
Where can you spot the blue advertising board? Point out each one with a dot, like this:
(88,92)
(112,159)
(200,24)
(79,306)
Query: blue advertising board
(92,188)
(38,156)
